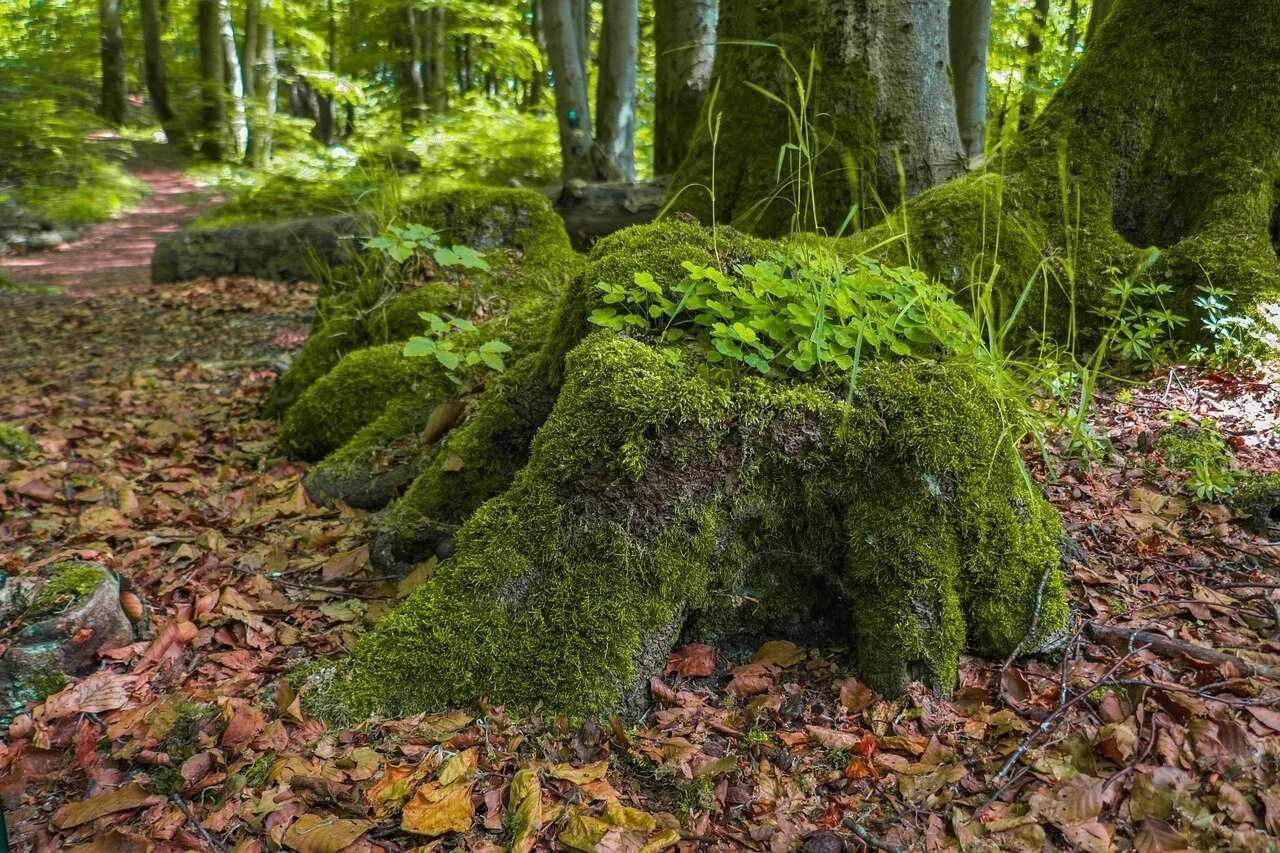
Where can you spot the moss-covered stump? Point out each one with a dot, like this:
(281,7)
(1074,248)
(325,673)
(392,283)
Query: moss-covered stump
(480,460)
(1158,139)
(48,616)
(361,305)
(652,493)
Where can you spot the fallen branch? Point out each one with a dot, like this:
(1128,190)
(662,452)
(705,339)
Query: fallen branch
(214,844)
(1169,647)
(868,839)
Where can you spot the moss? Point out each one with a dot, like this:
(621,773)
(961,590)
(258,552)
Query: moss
(46,684)
(1188,446)
(1257,503)
(753,129)
(363,305)
(66,584)
(649,486)
(14,442)
(354,394)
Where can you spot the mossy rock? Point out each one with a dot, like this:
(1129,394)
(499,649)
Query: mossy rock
(649,487)
(362,305)
(48,615)
(1256,504)
(14,442)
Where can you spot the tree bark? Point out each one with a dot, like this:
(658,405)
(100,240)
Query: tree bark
(1101,9)
(573,112)
(970,37)
(111,44)
(213,95)
(616,90)
(437,66)
(413,90)
(267,85)
(234,78)
(154,70)
(685,36)
(881,95)
(1031,77)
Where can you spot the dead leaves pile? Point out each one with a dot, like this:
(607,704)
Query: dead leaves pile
(192,740)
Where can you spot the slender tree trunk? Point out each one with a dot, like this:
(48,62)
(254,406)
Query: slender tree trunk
(970,38)
(213,93)
(582,19)
(326,120)
(685,41)
(413,90)
(1073,29)
(267,85)
(153,69)
(881,97)
(249,47)
(1031,78)
(234,78)
(1101,9)
(540,73)
(438,67)
(111,44)
(572,109)
(616,90)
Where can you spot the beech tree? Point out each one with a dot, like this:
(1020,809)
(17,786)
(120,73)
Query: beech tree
(114,85)
(685,43)
(970,37)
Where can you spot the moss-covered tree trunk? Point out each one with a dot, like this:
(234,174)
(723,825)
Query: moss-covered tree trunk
(1166,135)
(879,97)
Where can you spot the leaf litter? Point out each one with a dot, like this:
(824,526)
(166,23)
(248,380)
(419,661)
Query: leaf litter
(151,458)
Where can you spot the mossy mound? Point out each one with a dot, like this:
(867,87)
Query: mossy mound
(1257,504)
(14,442)
(650,486)
(365,303)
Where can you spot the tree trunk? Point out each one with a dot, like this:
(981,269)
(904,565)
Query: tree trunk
(234,78)
(326,119)
(413,90)
(267,85)
(685,35)
(970,38)
(881,96)
(213,94)
(534,98)
(572,111)
(154,71)
(616,90)
(111,44)
(1159,138)
(1101,9)
(438,66)
(1031,76)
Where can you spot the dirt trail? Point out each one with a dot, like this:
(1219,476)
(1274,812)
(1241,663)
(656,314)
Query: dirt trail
(118,253)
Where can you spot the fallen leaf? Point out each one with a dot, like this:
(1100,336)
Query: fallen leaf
(313,833)
(130,796)
(692,660)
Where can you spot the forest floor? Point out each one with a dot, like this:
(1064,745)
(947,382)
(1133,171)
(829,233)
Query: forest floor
(152,457)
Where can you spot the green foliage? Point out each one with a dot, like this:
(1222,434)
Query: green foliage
(1227,332)
(800,310)
(462,363)
(14,441)
(1199,451)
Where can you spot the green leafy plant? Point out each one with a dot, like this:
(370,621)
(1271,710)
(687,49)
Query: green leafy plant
(418,243)
(1198,450)
(1226,331)
(462,362)
(800,310)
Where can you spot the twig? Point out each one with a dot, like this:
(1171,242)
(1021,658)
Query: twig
(214,843)
(1133,765)
(867,838)
(1177,648)
(1234,702)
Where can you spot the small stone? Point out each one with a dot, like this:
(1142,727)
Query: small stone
(823,841)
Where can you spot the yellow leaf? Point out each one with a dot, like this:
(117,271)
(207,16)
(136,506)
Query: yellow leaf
(389,793)
(460,766)
(417,578)
(661,841)
(131,796)
(312,833)
(781,652)
(579,775)
(629,818)
(524,798)
(436,809)
(582,832)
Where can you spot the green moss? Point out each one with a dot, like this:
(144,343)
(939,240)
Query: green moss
(46,684)
(1257,503)
(359,389)
(67,583)
(14,442)
(753,129)
(365,304)
(1188,446)
(650,485)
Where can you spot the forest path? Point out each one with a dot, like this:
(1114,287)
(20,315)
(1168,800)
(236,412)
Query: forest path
(117,253)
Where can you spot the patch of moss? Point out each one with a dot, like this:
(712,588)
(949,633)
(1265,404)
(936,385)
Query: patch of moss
(1257,503)
(365,304)
(14,442)
(639,493)
(66,584)
(1188,446)
(46,684)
